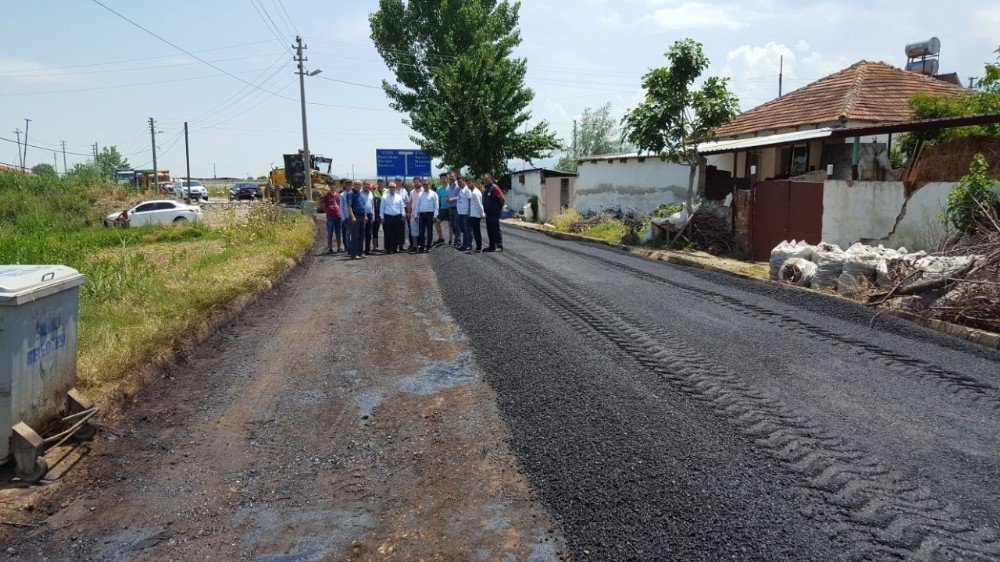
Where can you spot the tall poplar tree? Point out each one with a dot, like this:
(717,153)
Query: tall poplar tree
(458,81)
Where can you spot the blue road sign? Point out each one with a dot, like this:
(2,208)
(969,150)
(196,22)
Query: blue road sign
(392,162)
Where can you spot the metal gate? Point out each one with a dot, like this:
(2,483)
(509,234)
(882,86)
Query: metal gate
(785,210)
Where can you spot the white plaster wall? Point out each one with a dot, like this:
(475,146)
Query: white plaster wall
(552,189)
(630,186)
(519,193)
(867,211)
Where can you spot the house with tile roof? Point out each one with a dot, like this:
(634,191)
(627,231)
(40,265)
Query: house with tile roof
(794,134)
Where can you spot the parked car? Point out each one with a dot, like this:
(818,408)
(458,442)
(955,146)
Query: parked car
(155,212)
(245,190)
(196,188)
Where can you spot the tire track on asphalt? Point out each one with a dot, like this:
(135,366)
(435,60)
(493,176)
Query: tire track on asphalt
(875,509)
(959,384)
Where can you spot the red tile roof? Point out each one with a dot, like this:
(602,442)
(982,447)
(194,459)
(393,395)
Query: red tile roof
(873,92)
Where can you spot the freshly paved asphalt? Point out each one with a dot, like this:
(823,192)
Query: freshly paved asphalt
(663,412)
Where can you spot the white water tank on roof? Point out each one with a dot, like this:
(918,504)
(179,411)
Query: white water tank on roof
(928,48)
(39,311)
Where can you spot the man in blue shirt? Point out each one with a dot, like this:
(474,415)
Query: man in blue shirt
(442,193)
(453,191)
(356,213)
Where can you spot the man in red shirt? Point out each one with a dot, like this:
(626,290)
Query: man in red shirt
(331,205)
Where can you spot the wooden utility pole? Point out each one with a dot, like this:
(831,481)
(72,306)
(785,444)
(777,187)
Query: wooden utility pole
(187,163)
(24,160)
(20,160)
(156,170)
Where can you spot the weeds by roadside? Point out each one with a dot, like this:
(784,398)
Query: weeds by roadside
(147,288)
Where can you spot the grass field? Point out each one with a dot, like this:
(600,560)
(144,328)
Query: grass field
(149,288)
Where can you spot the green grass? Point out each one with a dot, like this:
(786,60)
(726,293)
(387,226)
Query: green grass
(147,289)
(610,230)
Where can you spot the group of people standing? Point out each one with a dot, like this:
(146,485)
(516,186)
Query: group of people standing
(411,214)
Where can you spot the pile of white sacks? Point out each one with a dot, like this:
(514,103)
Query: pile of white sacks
(827,266)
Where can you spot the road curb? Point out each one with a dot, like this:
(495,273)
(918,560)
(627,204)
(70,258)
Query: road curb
(979,337)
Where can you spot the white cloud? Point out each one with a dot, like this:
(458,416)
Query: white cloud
(754,70)
(27,72)
(700,15)
(802,46)
(986,23)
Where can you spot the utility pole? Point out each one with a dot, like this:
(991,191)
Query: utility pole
(156,171)
(575,153)
(781,74)
(215,175)
(187,162)
(300,59)
(20,159)
(65,169)
(972,81)
(55,164)
(95,153)
(24,161)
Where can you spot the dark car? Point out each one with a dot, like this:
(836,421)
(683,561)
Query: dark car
(245,191)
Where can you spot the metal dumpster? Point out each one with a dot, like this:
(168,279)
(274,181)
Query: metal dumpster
(39,310)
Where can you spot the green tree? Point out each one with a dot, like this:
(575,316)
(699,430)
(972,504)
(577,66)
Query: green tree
(676,116)
(458,82)
(43,170)
(109,160)
(985,99)
(597,133)
(971,200)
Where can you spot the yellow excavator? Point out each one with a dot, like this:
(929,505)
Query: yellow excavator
(288,185)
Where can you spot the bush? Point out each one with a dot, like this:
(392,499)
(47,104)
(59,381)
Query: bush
(664,211)
(971,200)
(533,201)
(566,220)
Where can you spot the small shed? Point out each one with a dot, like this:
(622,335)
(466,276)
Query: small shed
(555,190)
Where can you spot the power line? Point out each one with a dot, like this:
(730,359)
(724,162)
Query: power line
(47,73)
(351,83)
(226,72)
(288,18)
(36,93)
(272,28)
(43,148)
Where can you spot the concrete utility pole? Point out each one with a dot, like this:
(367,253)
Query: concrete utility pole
(20,159)
(95,153)
(187,162)
(781,73)
(575,154)
(24,160)
(972,81)
(156,171)
(300,59)
(65,169)
(55,164)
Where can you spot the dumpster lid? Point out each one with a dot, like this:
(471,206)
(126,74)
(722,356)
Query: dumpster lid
(20,284)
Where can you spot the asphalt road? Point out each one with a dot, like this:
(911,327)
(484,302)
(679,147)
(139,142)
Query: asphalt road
(666,412)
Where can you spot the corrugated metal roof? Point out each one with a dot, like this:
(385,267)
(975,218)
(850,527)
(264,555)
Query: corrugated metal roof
(722,146)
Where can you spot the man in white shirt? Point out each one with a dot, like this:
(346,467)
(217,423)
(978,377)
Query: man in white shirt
(426,207)
(369,199)
(476,213)
(462,210)
(393,213)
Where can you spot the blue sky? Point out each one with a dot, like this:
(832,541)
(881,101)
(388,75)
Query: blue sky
(83,75)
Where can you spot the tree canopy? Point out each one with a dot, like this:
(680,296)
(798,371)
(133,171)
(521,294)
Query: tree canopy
(458,82)
(43,169)
(676,115)
(109,160)
(597,133)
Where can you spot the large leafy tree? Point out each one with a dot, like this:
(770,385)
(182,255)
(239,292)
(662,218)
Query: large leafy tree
(43,169)
(676,115)
(458,81)
(109,160)
(597,133)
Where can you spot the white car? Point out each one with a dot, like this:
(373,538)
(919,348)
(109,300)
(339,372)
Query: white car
(197,189)
(155,212)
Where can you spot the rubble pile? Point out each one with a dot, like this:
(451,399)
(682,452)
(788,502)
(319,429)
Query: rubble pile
(953,286)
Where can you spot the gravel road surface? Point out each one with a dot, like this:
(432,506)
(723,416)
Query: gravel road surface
(341,418)
(664,412)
